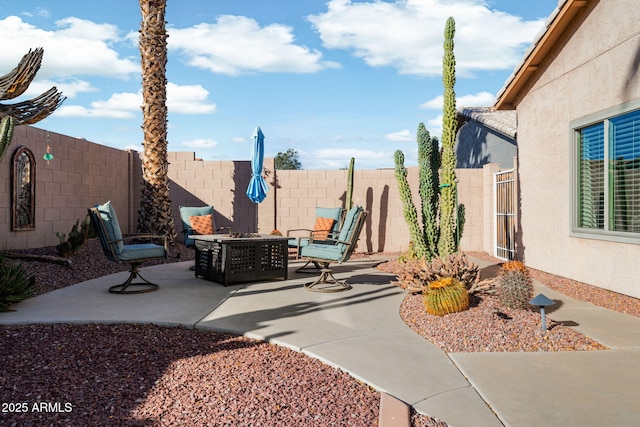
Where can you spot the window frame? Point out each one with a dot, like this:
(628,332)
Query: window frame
(574,136)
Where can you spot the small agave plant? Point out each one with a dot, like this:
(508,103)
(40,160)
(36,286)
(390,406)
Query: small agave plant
(15,285)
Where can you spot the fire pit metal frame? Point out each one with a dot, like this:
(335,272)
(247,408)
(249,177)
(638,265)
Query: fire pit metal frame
(226,260)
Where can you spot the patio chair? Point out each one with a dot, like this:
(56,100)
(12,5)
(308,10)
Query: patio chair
(107,228)
(196,220)
(337,251)
(327,225)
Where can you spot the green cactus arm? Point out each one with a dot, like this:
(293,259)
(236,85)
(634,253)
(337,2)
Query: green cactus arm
(409,209)
(428,162)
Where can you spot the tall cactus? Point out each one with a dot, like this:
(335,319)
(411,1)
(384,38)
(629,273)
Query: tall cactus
(442,220)
(6,133)
(448,242)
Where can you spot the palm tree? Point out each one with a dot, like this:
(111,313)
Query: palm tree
(155,206)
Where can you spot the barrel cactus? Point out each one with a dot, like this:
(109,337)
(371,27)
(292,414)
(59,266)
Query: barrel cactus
(446,295)
(515,286)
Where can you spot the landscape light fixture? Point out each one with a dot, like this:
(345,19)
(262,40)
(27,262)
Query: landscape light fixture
(541,301)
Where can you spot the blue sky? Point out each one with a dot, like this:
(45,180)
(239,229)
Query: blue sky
(332,79)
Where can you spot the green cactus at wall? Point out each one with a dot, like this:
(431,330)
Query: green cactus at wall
(6,134)
(349,198)
(448,242)
(77,237)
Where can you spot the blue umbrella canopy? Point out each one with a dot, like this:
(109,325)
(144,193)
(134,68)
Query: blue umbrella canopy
(258,188)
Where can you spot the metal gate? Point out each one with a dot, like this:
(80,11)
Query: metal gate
(505,202)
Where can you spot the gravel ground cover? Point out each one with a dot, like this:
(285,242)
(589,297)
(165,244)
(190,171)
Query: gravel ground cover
(134,375)
(144,375)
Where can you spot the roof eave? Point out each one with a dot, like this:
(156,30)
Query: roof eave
(557,23)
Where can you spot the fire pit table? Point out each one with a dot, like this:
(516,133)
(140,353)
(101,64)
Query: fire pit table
(229,259)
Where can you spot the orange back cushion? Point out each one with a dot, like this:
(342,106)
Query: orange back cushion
(322,228)
(202,224)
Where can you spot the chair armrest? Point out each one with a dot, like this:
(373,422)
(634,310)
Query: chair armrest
(310,232)
(333,241)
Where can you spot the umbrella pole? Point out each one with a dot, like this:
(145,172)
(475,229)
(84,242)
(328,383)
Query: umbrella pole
(275,196)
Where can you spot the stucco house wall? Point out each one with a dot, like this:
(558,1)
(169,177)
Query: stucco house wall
(591,68)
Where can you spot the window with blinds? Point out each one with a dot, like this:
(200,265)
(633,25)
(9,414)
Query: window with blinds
(608,175)
(624,172)
(591,177)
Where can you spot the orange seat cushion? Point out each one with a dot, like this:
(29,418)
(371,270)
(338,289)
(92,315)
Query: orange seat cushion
(322,228)
(202,224)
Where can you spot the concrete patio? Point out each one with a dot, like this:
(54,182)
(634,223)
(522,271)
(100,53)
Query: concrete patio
(361,332)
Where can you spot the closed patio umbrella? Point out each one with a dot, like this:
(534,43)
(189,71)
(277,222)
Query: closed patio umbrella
(258,188)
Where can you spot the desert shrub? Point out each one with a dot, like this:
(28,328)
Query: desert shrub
(416,274)
(15,285)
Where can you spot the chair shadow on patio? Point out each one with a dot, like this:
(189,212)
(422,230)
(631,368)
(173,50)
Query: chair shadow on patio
(278,304)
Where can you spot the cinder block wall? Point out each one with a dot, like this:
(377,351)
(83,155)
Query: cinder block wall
(298,192)
(220,183)
(80,175)
(83,173)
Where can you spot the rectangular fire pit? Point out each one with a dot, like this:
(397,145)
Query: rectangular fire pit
(224,259)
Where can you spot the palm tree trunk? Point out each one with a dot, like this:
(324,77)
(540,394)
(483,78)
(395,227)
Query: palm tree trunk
(155,206)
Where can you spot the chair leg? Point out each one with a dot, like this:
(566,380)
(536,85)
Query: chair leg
(146,285)
(327,283)
(309,270)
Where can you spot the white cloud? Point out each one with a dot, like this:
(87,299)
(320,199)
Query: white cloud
(239,139)
(347,153)
(401,136)
(478,100)
(336,158)
(69,88)
(200,143)
(409,34)
(236,45)
(75,47)
(434,126)
(186,99)
(41,12)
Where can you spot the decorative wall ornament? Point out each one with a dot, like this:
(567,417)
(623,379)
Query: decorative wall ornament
(23,188)
(48,156)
